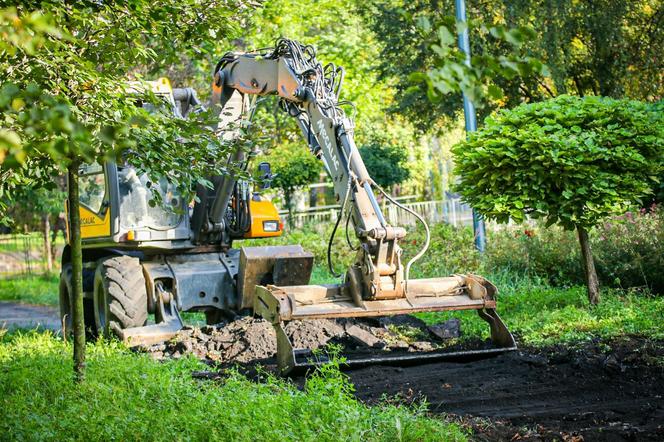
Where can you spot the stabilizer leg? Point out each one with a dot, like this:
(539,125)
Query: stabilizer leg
(285,351)
(500,335)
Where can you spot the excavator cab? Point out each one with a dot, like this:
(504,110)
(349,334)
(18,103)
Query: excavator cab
(115,199)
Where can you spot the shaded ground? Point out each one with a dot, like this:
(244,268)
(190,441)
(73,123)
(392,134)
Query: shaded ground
(597,391)
(16,315)
(534,395)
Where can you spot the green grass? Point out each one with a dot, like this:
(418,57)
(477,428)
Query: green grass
(31,290)
(542,315)
(128,396)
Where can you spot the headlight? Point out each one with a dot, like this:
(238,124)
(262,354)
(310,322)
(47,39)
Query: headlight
(271,226)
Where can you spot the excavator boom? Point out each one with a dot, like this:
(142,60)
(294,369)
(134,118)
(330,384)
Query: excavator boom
(378,282)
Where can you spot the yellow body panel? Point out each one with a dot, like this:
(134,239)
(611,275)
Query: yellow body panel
(92,225)
(263,211)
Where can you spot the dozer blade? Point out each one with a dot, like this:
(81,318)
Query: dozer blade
(459,292)
(169,323)
(150,334)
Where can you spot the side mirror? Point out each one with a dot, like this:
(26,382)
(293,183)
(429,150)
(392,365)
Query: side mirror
(264,175)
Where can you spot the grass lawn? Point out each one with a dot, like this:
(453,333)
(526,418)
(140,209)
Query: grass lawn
(31,290)
(128,396)
(542,315)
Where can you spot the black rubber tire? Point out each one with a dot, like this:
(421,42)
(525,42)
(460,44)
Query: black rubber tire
(66,303)
(120,295)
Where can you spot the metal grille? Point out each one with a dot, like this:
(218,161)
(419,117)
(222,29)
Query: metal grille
(24,254)
(451,211)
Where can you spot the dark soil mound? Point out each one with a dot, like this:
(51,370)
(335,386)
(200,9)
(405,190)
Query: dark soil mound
(588,393)
(253,340)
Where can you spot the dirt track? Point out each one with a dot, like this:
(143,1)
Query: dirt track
(17,315)
(532,396)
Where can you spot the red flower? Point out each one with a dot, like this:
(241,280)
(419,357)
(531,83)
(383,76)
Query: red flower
(529,233)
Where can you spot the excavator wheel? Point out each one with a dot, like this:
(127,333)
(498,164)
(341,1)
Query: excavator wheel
(66,303)
(120,295)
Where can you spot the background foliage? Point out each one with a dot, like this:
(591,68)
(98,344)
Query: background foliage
(590,48)
(65,72)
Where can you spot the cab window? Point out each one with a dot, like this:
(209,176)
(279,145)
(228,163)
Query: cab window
(92,186)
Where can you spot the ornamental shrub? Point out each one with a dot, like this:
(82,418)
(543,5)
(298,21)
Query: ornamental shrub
(572,161)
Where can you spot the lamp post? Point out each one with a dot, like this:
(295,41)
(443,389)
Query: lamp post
(470,117)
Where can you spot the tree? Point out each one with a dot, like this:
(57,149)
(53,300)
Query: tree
(64,98)
(34,206)
(573,161)
(338,31)
(293,167)
(386,160)
(501,72)
(599,48)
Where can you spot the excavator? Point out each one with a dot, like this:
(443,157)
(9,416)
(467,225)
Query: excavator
(141,259)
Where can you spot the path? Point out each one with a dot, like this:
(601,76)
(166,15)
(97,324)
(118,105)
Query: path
(15,315)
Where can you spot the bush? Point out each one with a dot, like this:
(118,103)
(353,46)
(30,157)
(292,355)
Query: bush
(451,250)
(548,253)
(629,250)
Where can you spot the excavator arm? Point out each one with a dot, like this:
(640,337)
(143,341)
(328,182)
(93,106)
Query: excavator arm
(377,284)
(309,93)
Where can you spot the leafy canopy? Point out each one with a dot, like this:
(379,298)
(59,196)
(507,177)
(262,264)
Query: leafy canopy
(64,72)
(448,72)
(386,159)
(602,47)
(293,168)
(571,160)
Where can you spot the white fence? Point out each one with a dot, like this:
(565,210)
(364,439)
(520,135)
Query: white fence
(451,211)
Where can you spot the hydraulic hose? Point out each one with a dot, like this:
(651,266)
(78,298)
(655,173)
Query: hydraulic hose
(426,228)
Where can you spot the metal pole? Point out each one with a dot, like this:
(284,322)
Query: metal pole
(470,117)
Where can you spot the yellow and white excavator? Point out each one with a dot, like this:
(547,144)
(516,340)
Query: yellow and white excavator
(141,260)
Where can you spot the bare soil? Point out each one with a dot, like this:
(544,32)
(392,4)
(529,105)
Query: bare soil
(590,393)
(252,341)
(596,391)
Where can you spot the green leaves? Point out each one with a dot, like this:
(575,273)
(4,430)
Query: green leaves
(27,32)
(448,72)
(293,166)
(571,160)
(64,90)
(386,161)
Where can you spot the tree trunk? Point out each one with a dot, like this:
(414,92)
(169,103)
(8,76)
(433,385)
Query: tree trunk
(77,272)
(47,244)
(592,282)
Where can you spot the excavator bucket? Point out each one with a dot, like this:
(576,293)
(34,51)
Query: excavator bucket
(460,292)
